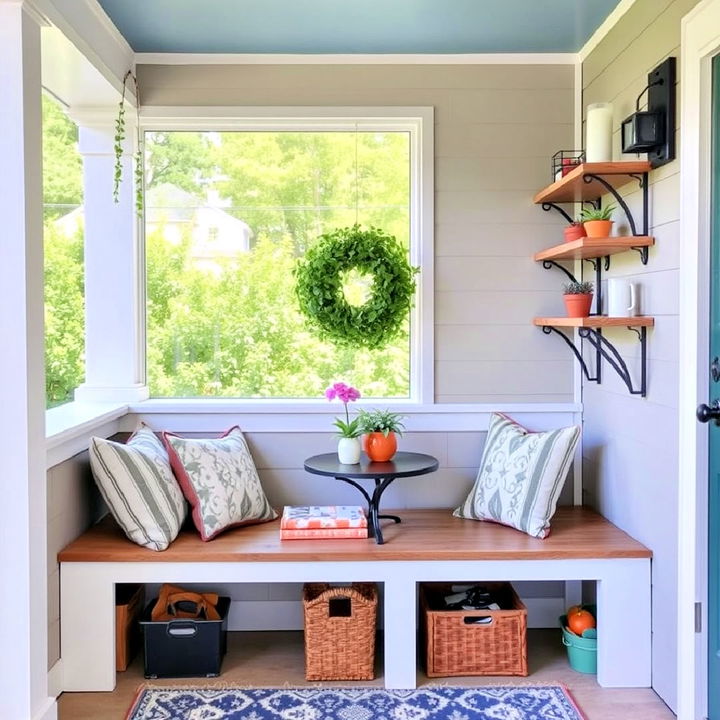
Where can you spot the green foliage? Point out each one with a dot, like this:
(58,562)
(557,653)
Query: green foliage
(62,164)
(348,429)
(590,213)
(578,288)
(118,147)
(382,421)
(183,159)
(233,329)
(319,287)
(64,315)
(138,157)
(301,184)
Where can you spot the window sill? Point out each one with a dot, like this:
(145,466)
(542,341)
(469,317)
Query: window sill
(68,428)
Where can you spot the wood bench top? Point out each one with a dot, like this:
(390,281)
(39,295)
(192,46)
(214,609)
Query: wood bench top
(577,533)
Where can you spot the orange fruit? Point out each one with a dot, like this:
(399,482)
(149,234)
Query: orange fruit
(580,620)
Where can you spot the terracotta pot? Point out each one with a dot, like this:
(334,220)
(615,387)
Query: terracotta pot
(378,447)
(598,228)
(574,232)
(578,306)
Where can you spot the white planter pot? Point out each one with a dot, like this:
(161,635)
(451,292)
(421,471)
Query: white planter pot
(349,451)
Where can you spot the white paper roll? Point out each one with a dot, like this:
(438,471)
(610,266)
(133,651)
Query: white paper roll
(598,133)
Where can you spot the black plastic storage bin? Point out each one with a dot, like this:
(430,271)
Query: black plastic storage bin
(185,647)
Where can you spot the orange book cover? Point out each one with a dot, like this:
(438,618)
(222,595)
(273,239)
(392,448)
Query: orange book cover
(323,534)
(310,517)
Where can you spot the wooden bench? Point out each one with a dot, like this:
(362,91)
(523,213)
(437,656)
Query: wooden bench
(429,545)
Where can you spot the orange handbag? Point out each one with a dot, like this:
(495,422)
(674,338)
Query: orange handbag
(175,602)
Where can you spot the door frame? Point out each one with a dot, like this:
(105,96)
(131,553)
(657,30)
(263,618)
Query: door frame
(700,41)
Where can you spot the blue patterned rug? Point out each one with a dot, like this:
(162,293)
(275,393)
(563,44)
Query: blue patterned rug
(519,702)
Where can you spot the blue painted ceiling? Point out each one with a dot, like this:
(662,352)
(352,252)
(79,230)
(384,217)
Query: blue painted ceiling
(357,26)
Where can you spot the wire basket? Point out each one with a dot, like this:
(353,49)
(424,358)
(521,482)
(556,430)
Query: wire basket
(340,631)
(565,161)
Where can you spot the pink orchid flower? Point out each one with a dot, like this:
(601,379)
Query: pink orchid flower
(346,394)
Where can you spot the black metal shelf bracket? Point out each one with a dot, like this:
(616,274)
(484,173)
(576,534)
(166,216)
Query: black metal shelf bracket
(643,181)
(547,329)
(547,206)
(610,353)
(549,264)
(605,349)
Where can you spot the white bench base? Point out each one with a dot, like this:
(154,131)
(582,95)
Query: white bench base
(87,621)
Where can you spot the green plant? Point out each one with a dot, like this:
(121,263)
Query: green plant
(382,421)
(319,287)
(118,147)
(591,213)
(578,288)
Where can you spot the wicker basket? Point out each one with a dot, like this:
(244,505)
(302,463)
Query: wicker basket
(456,646)
(340,631)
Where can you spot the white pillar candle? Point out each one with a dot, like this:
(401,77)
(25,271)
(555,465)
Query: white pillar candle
(598,133)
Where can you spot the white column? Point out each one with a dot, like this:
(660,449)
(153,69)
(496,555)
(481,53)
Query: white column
(114,278)
(23,529)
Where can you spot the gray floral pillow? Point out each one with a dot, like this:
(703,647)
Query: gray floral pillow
(219,480)
(521,476)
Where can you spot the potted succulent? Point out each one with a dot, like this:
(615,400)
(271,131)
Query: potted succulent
(380,428)
(578,298)
(574,231)
(348,430)
(597,222)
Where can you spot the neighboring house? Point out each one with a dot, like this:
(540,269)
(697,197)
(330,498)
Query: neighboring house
(215,234)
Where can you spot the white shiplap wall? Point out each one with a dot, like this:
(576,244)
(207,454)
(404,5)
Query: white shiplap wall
(630,444)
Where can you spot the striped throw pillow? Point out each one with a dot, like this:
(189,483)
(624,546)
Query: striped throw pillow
(138,485)
(219,480)
(521,476)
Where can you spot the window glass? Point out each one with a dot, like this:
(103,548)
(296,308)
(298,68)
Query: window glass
(63,244)
(227,215)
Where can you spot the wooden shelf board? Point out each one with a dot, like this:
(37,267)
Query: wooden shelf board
(595,321)
(594,247)
(573,188)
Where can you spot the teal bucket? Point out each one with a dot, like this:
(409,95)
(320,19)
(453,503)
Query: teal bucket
(582,651)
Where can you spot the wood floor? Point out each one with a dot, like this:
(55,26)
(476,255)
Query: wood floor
(276,659)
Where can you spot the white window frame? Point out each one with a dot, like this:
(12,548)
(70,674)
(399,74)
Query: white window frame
(419,123)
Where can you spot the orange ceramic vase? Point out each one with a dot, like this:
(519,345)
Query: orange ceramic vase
(378,447)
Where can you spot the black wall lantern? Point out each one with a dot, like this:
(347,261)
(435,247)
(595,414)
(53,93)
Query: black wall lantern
(653,130)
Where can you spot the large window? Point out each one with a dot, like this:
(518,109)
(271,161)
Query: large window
(227,215)
(63,240)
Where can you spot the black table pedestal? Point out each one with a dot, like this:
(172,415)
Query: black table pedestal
(403,465)
(373,503)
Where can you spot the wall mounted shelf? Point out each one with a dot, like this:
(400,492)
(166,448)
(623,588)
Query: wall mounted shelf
(582,183)
(588,183)
(592,248)
(595,321)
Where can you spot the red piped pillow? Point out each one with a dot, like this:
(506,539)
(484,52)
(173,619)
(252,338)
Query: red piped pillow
(219,480)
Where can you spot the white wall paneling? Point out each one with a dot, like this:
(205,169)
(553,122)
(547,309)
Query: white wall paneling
(23,573)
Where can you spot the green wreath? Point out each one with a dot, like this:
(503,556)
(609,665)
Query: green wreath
(319,287)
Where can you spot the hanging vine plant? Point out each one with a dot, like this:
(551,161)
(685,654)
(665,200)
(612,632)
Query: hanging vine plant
(320,287)
(119,141)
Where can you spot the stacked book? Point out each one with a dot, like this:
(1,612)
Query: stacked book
(318,522)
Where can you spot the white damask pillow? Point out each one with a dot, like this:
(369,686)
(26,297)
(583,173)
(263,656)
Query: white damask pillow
(139,488)
(521,476)
(219,480)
